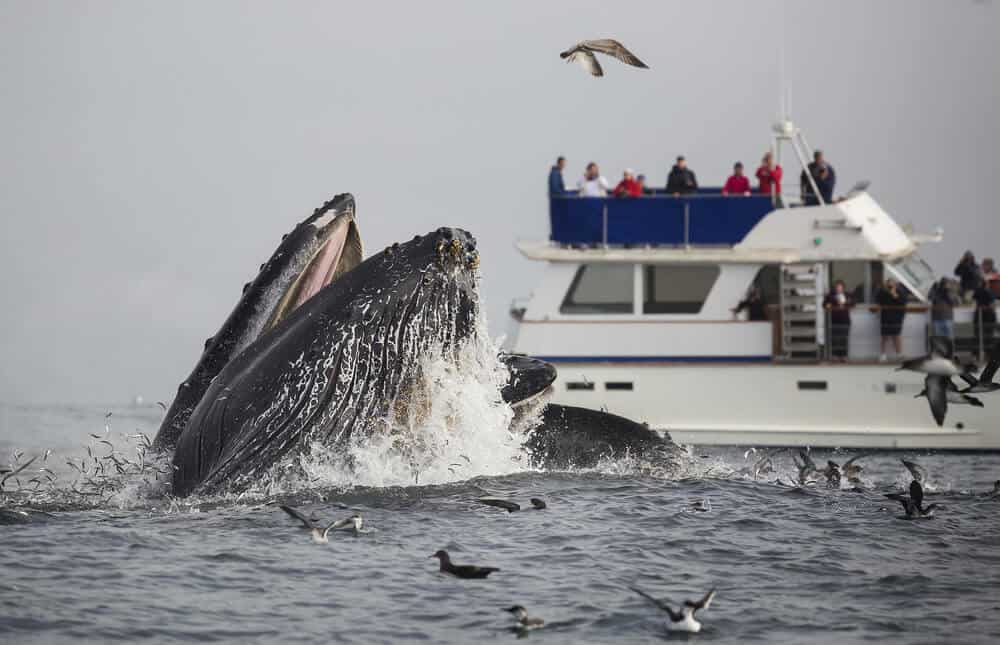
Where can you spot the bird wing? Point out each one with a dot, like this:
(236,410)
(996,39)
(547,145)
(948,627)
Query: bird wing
(903,500)
(614,48)
(937,397)
(851,461)
(587,61)
(297,514)
(917,493)
(674,615)
(510,507)
(472,571)
(969,378)
(991,367)
(339,524)
(807,460)
(918,472)
(705,601)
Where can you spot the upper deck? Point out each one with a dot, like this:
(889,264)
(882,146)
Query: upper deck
(709,227)
(705,218)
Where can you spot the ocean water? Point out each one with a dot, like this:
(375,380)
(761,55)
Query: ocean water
(790,565)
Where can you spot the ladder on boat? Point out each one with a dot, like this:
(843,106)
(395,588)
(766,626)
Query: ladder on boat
(801,311)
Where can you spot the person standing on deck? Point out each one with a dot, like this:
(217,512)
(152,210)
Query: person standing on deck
(838,302)
(681,180)
(593,184)
(769,176)
(943,299)
(825,178)
(737,184)
(892,308)
(628,186)
(969,274)
(754,304)
(556,185)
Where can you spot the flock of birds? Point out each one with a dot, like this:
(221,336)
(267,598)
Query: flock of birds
(941,366)
(681,619)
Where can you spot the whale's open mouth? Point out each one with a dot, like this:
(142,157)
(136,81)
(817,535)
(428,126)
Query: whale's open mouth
(338,252)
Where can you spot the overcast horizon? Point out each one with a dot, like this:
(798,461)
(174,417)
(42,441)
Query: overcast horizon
(155,153)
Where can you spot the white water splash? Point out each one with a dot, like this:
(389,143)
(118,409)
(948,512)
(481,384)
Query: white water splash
(456,427)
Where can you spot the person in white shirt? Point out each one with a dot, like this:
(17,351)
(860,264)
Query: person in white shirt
(593,184)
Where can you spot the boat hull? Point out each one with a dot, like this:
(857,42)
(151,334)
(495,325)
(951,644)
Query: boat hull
(768,404)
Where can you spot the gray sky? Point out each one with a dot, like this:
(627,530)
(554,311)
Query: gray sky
(154,153)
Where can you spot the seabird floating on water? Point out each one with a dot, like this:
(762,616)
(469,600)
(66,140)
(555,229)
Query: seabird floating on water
(321,534)
(702,506)
(832,474)
(468,571)
(807,467)
(913,504)
(583,53)
(536,504)
(524,621)
(682,620)
(851,470)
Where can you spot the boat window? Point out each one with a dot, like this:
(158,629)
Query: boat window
(600,289)
(677,288)
(914,273)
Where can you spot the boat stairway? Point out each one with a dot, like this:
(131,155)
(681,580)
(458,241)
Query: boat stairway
(799,311)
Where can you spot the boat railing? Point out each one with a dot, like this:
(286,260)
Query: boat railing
(972,338)
(704,218)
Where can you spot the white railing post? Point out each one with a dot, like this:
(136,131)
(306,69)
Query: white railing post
(687,223)
(605,222)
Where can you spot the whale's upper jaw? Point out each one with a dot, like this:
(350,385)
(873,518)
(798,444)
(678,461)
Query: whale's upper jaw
(338,252)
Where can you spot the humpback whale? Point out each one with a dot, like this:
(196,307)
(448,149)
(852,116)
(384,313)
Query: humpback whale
(335,365)
(323,347)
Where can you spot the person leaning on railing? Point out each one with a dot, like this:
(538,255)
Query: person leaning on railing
(754,304)
(556,185)
(592,184)
(737,184)
(769,175)
(838,303)
(681,180)
(628,186)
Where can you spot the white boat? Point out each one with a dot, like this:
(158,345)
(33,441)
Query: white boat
(634,308)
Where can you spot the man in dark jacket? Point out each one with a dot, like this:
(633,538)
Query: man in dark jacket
(969,275)
(556,185)
(681,180)
(825,178)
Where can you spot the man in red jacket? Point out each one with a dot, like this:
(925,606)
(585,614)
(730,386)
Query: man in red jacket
(737,184)
(769,175)
(628,186)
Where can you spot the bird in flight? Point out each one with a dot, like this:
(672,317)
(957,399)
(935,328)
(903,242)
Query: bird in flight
(583,53)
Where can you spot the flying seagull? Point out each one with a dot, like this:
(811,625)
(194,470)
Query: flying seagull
(461,570)
(583,53)
(524,621)
(682,620)
(321,534)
